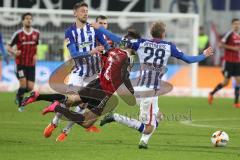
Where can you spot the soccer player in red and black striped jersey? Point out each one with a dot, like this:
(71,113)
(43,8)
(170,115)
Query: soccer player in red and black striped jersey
(26,41)
(97,93)
(231,43)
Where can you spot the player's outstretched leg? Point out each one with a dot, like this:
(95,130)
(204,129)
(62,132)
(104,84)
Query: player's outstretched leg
(30,99)
(130,122)
(107,119)
(35,96)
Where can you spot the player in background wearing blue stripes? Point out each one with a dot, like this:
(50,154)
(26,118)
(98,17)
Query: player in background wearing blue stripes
(82,42)
(153,56)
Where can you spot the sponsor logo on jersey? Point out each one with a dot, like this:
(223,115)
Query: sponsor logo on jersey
(34,37)
(84,44)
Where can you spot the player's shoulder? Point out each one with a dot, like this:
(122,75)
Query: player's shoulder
(70,28)
(228,34)
(17,32)
(36,31)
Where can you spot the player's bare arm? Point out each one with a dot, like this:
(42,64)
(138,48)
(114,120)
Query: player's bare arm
(230,47)
(13,51)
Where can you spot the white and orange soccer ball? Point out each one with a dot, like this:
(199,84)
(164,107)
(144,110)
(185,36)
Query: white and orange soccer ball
(220,139)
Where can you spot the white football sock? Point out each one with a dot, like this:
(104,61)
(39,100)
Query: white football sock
(146,137)
(68,127)
(132,123)
(70,124)
(56,119)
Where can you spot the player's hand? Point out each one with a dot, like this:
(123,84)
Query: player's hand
(95,25)
(208,52)
(100,48)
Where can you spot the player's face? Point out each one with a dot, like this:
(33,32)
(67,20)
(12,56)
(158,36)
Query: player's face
(236,26)
(81,14)
(27,22)
(103,22)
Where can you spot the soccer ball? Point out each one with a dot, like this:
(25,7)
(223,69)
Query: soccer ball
(219,139)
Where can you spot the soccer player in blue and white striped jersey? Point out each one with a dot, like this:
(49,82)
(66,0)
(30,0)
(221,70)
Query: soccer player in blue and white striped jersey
(81,40)
(153,56)
(86,66)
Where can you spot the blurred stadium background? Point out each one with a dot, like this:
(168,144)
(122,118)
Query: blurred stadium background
(183,19)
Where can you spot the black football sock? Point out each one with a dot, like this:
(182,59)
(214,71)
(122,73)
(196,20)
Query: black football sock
(20,94)
(51,97)
(217,88)
(70,115)
(236,94)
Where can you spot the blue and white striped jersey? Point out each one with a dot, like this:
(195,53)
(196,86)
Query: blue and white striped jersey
(153,56)
(80,41)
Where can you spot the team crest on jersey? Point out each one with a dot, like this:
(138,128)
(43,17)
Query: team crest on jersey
(34,37)
(23,38)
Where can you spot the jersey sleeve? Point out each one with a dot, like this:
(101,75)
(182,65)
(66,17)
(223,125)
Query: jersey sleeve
(226,37)
(133,43)
(99,36)
(14,39)
(69,37)
(175,52)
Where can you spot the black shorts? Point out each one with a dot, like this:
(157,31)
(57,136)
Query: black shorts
(94,95)
(231,69)
(27,72)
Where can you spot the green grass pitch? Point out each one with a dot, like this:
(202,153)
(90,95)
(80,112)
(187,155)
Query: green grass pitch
(21,133)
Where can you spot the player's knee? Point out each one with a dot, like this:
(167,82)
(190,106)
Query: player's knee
(148,129)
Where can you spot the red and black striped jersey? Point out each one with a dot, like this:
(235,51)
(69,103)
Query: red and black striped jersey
(233,39)
(114,71)
(27,43)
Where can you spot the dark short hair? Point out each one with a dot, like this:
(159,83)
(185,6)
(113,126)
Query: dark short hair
(80,4)
(234,20)
(101,17)
(132,33)
(26,14)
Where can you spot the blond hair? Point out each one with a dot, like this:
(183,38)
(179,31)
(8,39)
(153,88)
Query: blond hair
(158,29)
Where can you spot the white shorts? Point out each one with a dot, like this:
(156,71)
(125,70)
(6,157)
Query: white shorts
(74,80)
(148,110)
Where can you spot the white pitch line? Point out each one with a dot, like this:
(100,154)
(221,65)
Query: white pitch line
(190,123)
